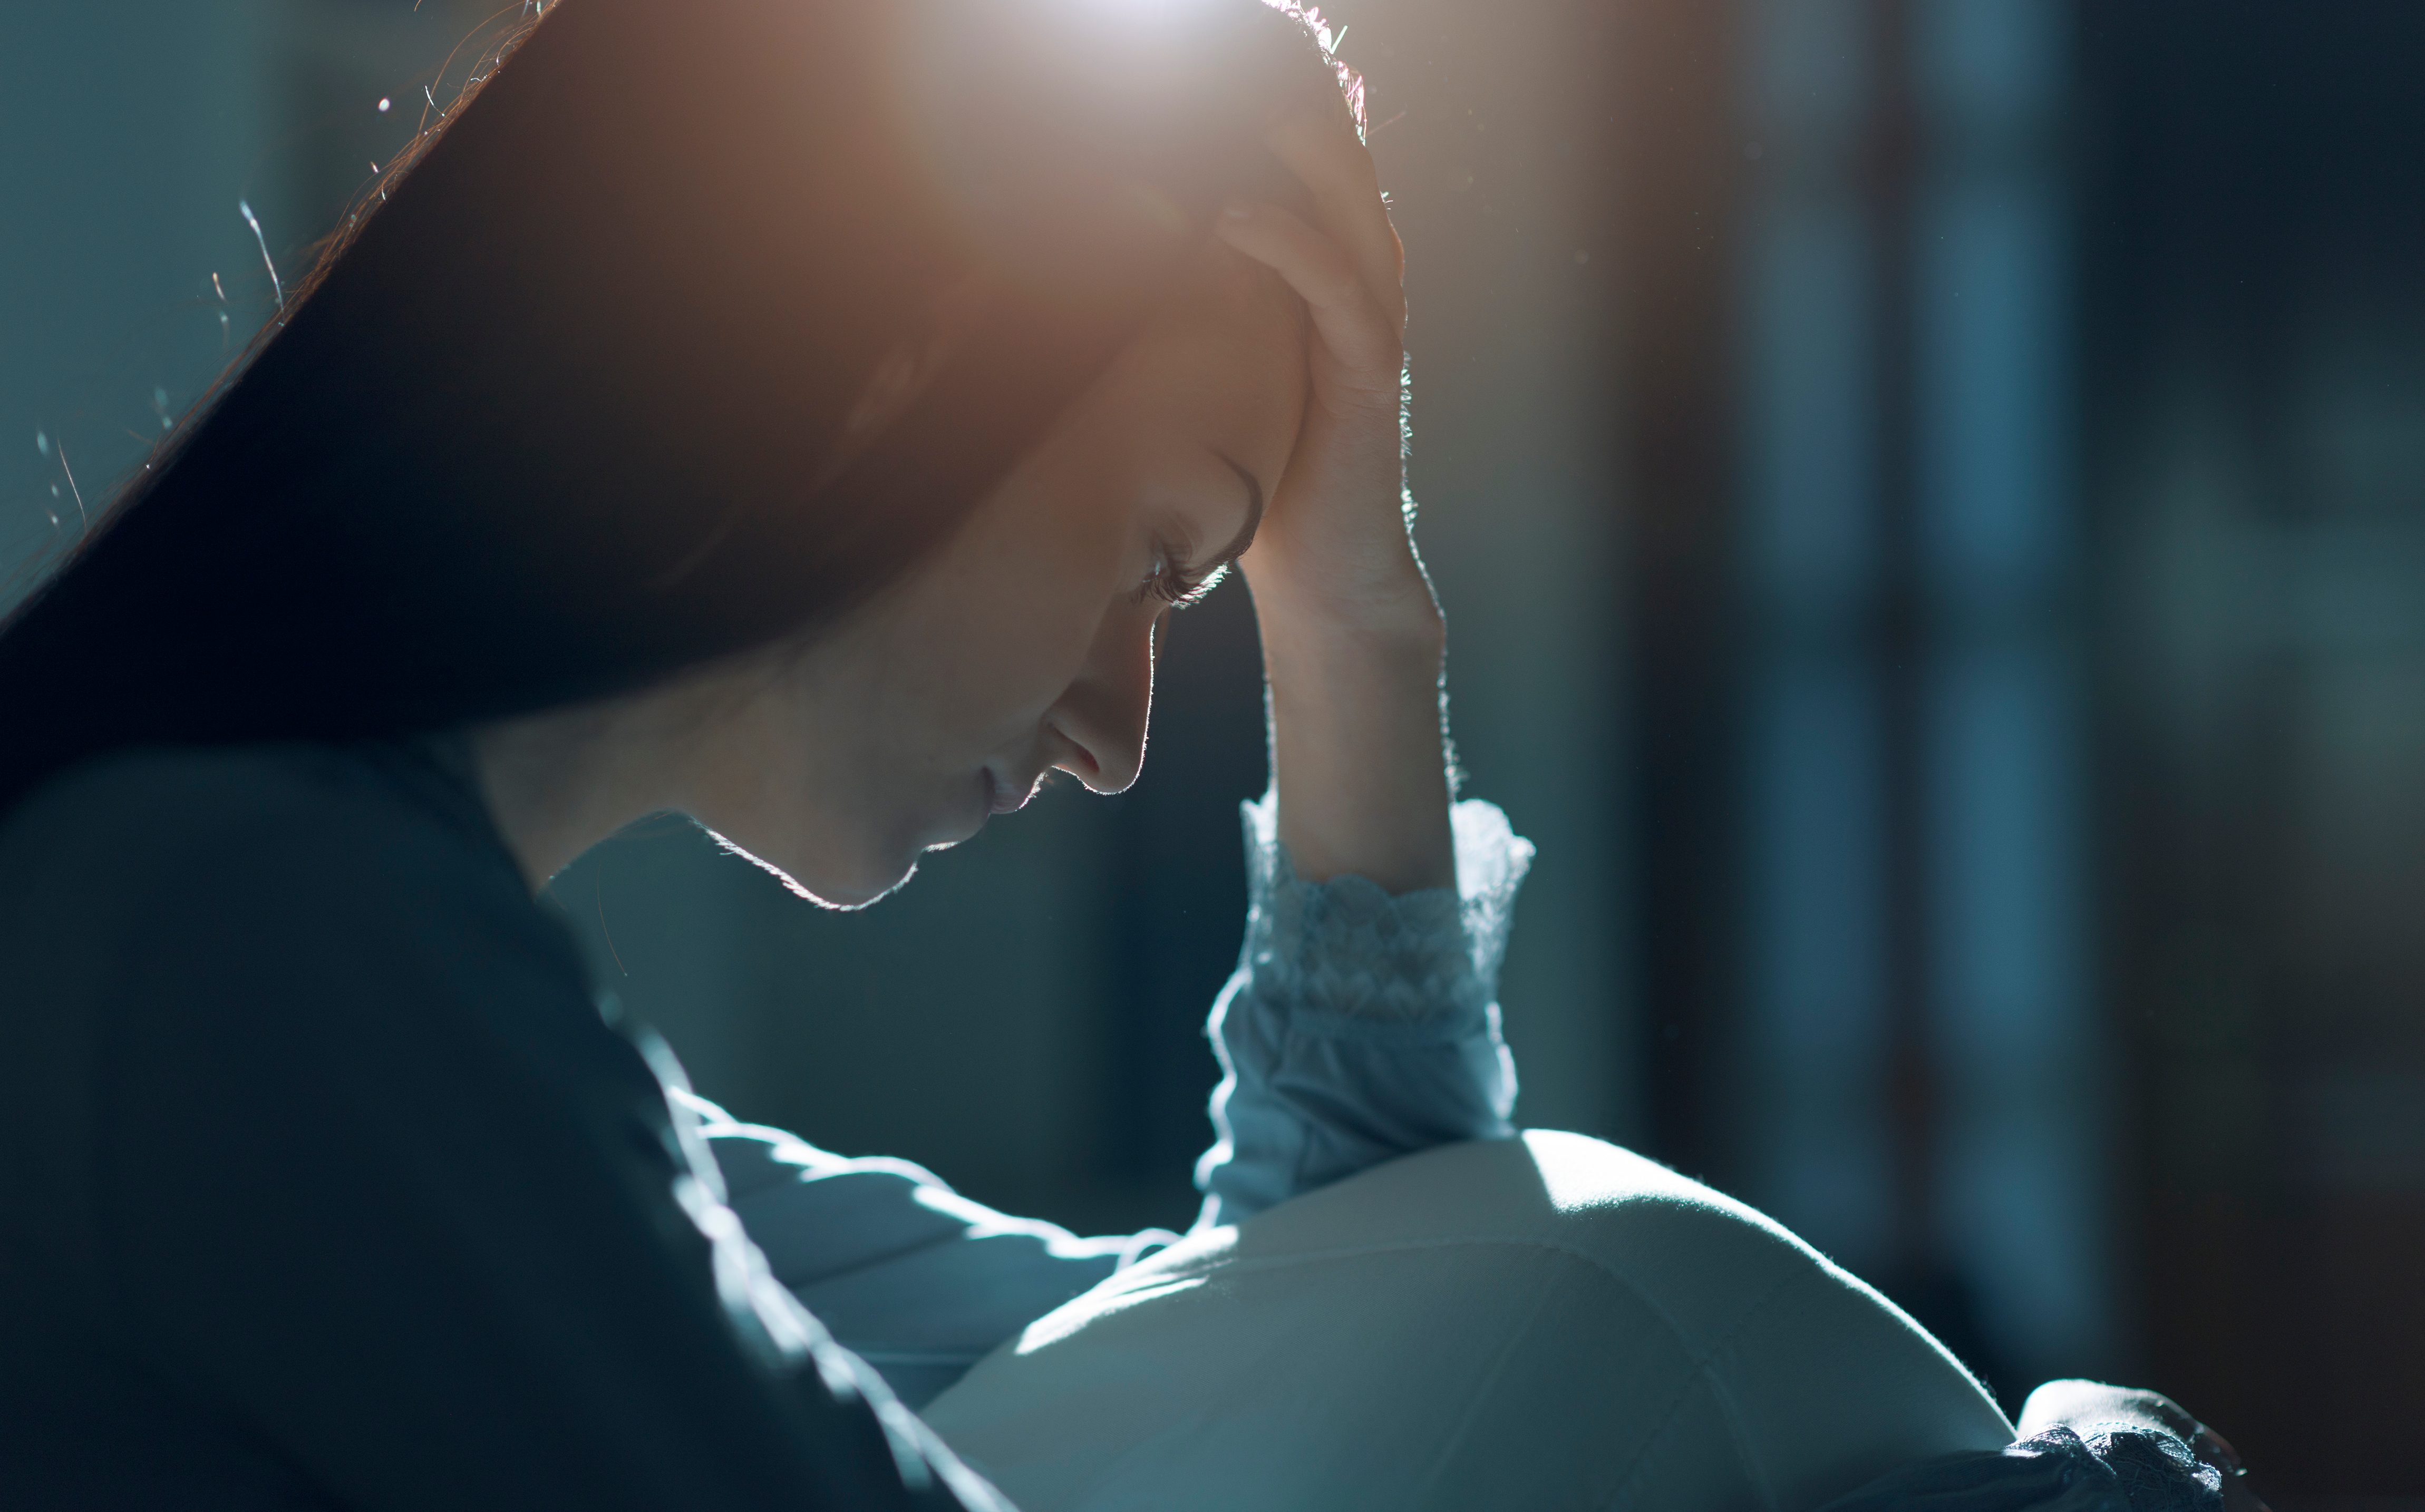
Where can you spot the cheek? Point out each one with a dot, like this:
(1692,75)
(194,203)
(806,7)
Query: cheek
(1010,628)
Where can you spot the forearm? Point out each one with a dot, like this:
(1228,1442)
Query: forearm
(1358,756)
(1352,634)
(917,1281)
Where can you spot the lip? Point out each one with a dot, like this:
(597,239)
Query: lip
(1001,797)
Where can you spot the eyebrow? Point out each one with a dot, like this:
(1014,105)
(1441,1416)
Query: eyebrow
(1246,537)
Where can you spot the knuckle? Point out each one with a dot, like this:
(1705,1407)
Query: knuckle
(1372,353)
(1339,286)
(1381,312)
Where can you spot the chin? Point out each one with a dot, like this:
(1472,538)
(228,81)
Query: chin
(845,899)
(843,886)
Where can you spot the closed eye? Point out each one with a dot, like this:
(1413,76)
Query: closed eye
(1246,537)
(1176,585)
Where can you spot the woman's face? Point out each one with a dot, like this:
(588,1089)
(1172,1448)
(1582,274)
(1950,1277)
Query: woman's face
(1026,642)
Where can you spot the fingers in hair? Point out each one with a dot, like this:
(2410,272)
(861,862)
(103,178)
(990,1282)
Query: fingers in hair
(1347,318)
(1329,160)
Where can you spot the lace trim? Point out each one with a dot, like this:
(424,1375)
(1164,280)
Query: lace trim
(1347,946)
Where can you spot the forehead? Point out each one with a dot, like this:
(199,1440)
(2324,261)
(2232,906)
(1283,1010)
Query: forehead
(1232,342)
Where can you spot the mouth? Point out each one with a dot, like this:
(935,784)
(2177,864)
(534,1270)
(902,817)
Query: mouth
(1000,796)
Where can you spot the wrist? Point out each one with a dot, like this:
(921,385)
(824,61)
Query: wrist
(1409,636)
(1366,598)
(1358,756)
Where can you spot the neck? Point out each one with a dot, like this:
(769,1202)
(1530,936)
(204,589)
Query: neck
(560,781)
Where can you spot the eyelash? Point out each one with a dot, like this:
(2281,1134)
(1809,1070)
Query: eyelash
(1174,587)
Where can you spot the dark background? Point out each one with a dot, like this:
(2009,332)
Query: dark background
(1930,499)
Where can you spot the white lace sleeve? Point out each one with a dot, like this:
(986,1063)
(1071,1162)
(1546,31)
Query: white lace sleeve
(1359,1027)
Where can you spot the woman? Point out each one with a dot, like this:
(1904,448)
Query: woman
(798,415)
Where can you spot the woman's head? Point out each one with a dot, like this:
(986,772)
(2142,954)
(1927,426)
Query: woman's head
(696,330)
(1023,644)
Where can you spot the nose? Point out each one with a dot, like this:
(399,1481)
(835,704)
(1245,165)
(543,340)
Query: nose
(1103,714)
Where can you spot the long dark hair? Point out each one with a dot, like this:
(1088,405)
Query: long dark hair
(696,322)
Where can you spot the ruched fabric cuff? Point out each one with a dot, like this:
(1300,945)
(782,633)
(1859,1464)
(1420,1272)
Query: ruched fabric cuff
(1347,949)
(1359,1027)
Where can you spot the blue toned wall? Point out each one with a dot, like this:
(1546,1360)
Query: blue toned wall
(131,132)
(1916,1076)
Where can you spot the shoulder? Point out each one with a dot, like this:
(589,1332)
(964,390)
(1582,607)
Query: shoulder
(217,825)
(198,928)
(222,869)
(165,802)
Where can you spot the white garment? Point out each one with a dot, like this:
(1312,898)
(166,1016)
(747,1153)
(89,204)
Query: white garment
(1357,1027)
(1540,1323)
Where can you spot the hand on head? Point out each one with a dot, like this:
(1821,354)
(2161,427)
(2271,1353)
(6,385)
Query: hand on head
(1026,642)
(1336,546)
